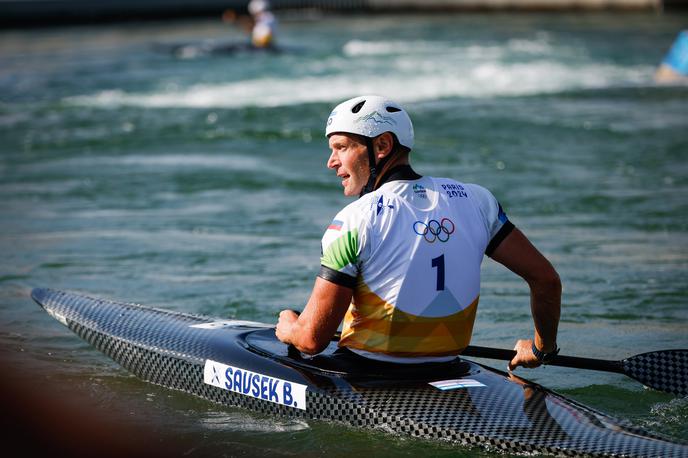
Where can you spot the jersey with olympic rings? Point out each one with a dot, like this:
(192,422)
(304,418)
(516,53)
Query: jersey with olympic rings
(412,252)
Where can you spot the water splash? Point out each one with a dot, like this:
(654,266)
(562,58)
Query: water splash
(240,422)
(434,81)
(670,417)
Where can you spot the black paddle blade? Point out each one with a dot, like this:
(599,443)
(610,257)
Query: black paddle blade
(665,370)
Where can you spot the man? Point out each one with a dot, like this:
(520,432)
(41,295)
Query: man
(261,24)
(265,24)
(401,265)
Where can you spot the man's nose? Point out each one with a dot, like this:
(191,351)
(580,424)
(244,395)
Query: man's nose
(332,161)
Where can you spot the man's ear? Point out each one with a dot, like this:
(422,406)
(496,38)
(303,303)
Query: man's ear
(383,144)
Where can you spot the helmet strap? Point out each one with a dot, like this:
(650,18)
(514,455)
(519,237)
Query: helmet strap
(370,185)
(371,166)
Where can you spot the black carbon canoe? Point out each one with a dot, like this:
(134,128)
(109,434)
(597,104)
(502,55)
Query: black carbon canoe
(239,363)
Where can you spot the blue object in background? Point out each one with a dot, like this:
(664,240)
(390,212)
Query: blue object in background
(677,57)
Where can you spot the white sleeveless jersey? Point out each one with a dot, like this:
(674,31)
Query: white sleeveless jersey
(412,251)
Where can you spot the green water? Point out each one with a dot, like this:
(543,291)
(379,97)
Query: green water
(199,185)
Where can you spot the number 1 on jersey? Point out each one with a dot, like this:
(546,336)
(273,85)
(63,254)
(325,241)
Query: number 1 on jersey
(439,263)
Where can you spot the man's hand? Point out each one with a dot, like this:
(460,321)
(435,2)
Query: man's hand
(524,355)
(311,331)
(521,257)
(287,318)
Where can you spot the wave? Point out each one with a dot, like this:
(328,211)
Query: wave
(539,46)
(413,71)
(239,422)
(189,161)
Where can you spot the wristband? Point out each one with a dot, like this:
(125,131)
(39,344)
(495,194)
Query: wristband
(543,357)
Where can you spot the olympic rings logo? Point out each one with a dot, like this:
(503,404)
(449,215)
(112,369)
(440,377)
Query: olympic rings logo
(434,230)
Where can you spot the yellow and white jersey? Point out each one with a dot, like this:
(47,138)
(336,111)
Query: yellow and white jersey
(411,251)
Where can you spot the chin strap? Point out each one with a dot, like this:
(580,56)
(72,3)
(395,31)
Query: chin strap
(371,166)
(372,178)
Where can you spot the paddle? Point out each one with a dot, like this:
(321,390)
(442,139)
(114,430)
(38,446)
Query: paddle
(663,370)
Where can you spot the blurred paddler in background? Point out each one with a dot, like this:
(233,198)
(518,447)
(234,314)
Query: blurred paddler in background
(674,67)
(261,24)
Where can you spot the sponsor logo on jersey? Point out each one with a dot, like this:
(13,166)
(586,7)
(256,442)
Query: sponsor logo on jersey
(255,385)
(434,230)
(381,205)
(335,225)
(419,190)
(455,190)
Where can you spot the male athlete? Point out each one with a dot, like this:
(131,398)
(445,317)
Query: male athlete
(261,24)
(401,265)
(265,24)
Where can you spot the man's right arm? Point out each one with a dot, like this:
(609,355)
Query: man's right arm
(521,257)
(312,330)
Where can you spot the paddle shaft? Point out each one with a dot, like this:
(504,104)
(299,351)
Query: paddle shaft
(559,360)
(663,370)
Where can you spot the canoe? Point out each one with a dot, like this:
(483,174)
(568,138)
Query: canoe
(242,364)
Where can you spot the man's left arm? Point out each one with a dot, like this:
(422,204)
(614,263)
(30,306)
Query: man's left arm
(521,257)
(311,331)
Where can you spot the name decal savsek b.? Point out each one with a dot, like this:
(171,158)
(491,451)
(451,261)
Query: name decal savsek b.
(256,385)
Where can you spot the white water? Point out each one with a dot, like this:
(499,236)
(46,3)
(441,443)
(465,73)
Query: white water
(415,71)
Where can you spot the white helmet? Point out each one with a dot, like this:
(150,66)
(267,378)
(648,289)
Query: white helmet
(258,6)
(370,116)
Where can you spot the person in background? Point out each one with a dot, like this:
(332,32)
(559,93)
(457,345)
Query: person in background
(261,24)
(264,24)
(401,264)
(674,67)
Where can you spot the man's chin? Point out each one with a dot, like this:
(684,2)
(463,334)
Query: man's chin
(351,192)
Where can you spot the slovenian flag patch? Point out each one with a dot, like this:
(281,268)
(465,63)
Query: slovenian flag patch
(455,384)
(335,225)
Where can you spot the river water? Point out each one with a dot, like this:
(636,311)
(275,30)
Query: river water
(198,183)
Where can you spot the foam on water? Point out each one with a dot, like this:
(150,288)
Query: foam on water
(414,70)
(414,81)
(229,421)
(172,161)
(540,46)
